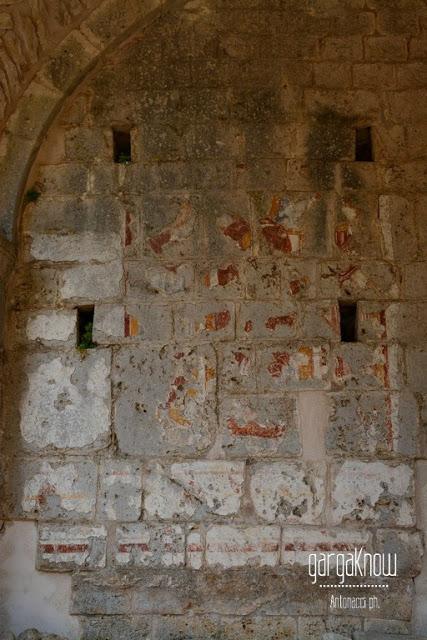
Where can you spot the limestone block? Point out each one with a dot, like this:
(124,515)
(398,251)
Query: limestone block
(92,282)
(67,548)
(216,484)
(408,547)
(372,423)
(374,493)
(359,366)
(230,546)
(293,366)
(262,279)
(120,490)
(369,280)
(298,543)
(236,628)
(299,280)
(222,281)
(291,492)
(72,414)
(51,490)
(320,320)
(266,320)
(173,411)
(237,372)
(52,327)
(416,359)
(159,281)
(212,320)
(149,545)
(259,425)
(165,499)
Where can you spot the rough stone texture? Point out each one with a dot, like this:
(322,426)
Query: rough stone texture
(183,451)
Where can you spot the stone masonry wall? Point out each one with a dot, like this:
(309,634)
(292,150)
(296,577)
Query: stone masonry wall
(221,430)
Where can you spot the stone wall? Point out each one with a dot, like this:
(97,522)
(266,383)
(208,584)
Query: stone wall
(220,430)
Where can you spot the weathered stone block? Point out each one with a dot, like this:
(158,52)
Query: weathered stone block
(165,499)
(99,595)
(64,179)
(372,423)
(369,280)
(237,368)
(299,280)
(156,281)
(211,628)
(223,281)
(230,546)
(150,545)
(214,320)
(115,627)
(415,280)
(416,359)
(293,366)
(55,490)
(174,410)
(51,327)
(359,366)
(291,492)
(266,320)
(259,425)
(216,484)
(262,280)
(373,492)
(298,543)
(67,548)
(408,547)
(92,282)
(397,227)
(72,414)
(171,227)
(77,247)
(320,320)
(148,322)
(108,324)
(120,490)
(82,143)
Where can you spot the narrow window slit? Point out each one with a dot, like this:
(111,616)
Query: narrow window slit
(85,327)
(364,151)
(122,146)
(348,321)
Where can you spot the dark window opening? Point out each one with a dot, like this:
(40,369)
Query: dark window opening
(348,321)
(85,328)
(364,151)
(122,146)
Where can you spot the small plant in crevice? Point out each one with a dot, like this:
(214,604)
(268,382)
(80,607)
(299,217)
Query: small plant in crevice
(32,195)
(85,339)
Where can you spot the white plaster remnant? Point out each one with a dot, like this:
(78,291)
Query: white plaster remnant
(63,547)
(76,247)
(51,325)
(290,492)
(229,546)
(120,490)
(298,543)
(216,483)
(147,545)
(108,322)
(373,492)
(63,482)
(67,402)
(165,499)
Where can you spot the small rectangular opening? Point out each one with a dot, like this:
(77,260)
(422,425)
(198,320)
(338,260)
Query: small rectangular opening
(364,151)
(122,146)
(348,321)
(85,327)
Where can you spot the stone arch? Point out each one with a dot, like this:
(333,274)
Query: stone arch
(100,31)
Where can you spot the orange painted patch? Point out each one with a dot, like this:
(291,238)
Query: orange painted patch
(240,232)
(255,429)
(277,321)
(216,321)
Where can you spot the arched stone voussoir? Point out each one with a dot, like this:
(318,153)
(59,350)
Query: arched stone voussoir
(104,29)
